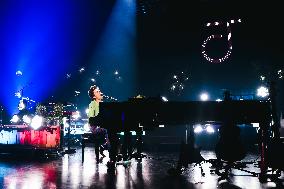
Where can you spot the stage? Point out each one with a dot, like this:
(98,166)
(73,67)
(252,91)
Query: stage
(69,172)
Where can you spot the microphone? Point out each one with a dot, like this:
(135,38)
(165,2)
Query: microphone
(109,97)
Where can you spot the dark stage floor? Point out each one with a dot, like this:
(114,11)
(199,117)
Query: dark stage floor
(69,172)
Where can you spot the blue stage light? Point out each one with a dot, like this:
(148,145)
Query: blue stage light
(115,54)
(40,42)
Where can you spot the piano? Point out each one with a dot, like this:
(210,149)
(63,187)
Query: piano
(147,114)
(151,113)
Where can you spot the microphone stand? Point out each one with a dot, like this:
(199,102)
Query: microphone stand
(69,150)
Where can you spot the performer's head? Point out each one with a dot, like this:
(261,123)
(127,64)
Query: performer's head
(95,93)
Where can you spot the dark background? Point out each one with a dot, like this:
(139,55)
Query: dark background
(168,39)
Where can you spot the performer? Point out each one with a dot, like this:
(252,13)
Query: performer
(101,136)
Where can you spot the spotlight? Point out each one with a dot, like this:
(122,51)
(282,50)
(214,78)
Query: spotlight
(87,111)
(27,119)
(262,78)
(255,125)
(209,129)
(15,119)
(204,96)
(18,94)
(36,122)
(164,99)
(262,92)
(77,93)
(82,70)
(198,129)
(19,73)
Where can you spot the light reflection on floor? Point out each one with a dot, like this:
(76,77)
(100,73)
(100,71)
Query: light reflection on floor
(69,172)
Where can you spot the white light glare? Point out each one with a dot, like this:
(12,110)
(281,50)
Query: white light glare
(87,111)
(209,129)
(218,100)
(204,96)
(198,129)
(164,99)
(262,78)
(27,119)
(255,125)
(18,73)
(36,122)
(18,94)
(262,92)
(87,127)
(82,69)
(15,119)
(76,115)
(229,36)
(280,74)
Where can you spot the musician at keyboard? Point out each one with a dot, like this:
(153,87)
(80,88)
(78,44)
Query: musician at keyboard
(100,134)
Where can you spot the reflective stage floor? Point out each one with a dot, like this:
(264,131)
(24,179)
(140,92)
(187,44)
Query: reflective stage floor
(69,172)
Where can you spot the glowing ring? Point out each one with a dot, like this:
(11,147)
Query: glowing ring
(229,38)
